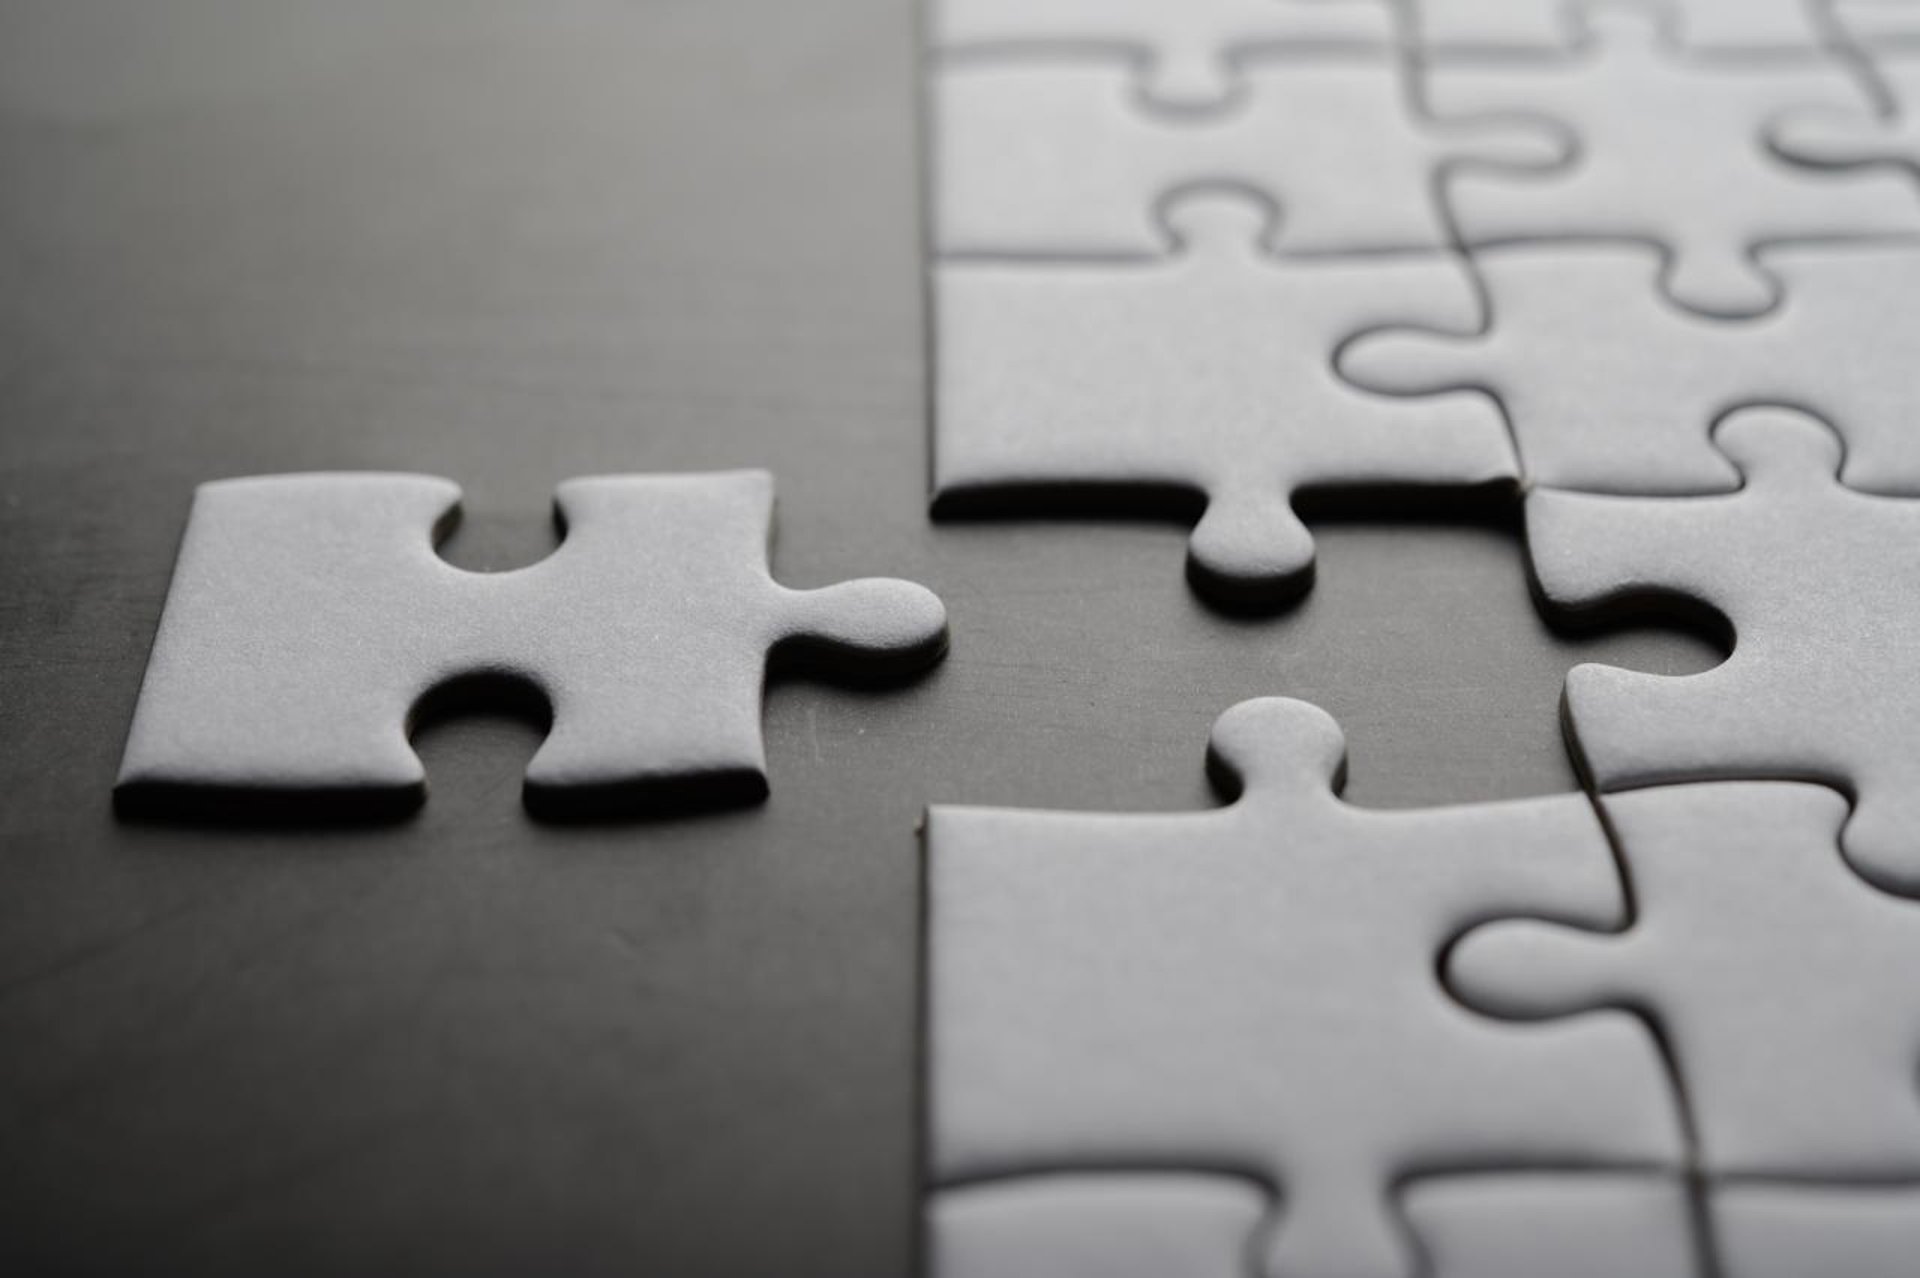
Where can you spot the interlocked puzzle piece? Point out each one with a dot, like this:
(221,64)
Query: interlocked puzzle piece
(1792,1231)
(1187,51)
(1096,1225)
(1544,26)
(1819,583)
(1853,137)
(1672,153)
(1569,1226)
(1204,1225)
(1255,988)
(1055,159)
(1780,980)
(1609,388)
(1209,370)
(310,614)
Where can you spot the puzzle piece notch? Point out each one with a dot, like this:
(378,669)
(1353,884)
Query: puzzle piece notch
(1820,684)
(310,614)
(1711,195)
(1208,371)
(1776,975)
(1076,959)
(1609,388)
(1188,56)
(1053,160)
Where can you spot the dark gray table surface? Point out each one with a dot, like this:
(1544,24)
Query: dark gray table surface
(510,243)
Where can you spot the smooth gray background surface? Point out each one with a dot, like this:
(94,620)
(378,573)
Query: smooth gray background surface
(511,243)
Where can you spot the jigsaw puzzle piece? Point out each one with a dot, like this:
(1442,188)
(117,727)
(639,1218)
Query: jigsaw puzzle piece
(310,614)
(1187,53)
(1610,389)
(1538,1223)
(1544,26)
(1208,371)
(1843,1231)
(1096,1225)
(1054,159)
(1589,364)
(1776,975)
(1710,194)
(1255,987)
(1814,579)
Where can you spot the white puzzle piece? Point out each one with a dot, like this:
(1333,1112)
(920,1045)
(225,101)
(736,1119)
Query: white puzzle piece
(1054,159)
(1255,988)
(1552,27)
(1209,370)
(1851,138)
(1821,585)
(1673,153)
(1535,1224)
(310,614)
(1096,1225)
(1187,51)
(1817,1231)
(1609,388)
(1781,981)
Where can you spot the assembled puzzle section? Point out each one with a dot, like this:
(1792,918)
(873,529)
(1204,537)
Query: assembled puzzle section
(1255,988)
(1670,249)
(310,615)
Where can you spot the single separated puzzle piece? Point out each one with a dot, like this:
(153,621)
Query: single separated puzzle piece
(1054,159)
(1781,981)
(1672,153)
(1188,51)
(1822,587)
(309,614)
(1547,26)
(1255,988)
(1210,370)
(1609,388)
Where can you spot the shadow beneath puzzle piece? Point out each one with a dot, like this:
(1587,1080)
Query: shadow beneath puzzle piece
(1489,505)
(518,699)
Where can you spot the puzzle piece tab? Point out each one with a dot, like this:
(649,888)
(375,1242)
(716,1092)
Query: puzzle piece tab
(310,614)
(1781,981)
(1056,160)
(1255,988)
(1209,371)
(1610,389)
(1188,52)
(1673,153)
(1822,587)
